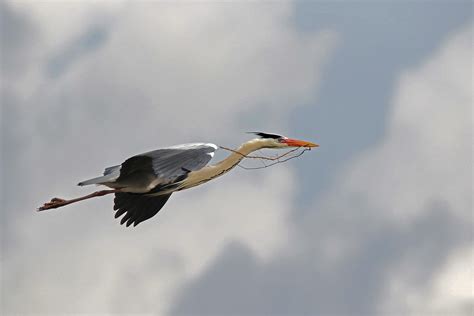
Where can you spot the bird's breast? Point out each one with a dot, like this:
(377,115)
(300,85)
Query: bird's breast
(202,176)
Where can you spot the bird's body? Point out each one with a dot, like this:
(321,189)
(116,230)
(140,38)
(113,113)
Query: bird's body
(155,172)
(143,183)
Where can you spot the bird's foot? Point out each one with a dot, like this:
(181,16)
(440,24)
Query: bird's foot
(54,203)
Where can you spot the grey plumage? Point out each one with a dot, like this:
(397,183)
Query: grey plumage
(142,178)
(176,161)
(161,165)
(110,174)
(143,183)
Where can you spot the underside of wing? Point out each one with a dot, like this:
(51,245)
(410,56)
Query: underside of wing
(137,207)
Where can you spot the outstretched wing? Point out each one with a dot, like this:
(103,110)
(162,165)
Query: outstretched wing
(173,162)
(144,172)
(137,207)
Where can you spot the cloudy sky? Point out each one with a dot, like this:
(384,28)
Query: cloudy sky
(377,221)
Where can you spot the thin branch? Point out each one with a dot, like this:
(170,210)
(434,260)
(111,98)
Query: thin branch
(261,160)
(263,157)
(275,160)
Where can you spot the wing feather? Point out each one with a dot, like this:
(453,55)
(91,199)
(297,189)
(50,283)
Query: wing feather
(137,207)
(164,166)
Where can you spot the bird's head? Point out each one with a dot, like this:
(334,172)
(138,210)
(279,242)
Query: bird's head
(267,140)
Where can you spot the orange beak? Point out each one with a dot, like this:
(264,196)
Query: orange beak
(298,143)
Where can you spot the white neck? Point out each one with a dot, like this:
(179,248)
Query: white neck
(223,166)
(237,155)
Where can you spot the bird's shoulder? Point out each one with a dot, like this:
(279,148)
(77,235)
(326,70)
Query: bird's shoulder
(195,148)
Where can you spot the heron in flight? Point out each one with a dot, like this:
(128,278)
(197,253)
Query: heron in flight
(144,183)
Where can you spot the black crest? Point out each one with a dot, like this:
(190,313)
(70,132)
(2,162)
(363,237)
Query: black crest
(267,135)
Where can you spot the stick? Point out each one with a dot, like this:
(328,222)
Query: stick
(263,157)
(57,202)
(274,159)
(275,162)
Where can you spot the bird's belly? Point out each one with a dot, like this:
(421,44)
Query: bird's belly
(196,178)
(140,188)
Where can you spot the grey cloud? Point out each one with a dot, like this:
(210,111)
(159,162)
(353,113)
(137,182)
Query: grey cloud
(361,237)
(92,39)
(351,111)
(137,89)
(237,284)
(17,35)
(122,102)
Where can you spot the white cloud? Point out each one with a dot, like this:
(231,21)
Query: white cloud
(92,269)
(426,155)
(424,160)
(166,74)
(453,287)
(449,292)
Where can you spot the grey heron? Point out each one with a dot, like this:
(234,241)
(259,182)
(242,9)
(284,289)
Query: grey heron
(143,183)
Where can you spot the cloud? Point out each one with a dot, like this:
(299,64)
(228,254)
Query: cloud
(166,73)
(449,292)
(393,232)
(424,164)
(428,147)
(93,267)
(422,167)
(16,30)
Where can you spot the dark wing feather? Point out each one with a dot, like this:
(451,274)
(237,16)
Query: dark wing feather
(137,207)
(168,166)
(136,171)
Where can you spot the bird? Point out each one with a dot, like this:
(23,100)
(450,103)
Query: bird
(142,184)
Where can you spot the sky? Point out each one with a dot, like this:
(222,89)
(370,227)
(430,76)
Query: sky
(376,221)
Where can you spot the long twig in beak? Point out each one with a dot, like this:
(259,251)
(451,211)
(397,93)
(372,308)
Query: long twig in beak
(274,159)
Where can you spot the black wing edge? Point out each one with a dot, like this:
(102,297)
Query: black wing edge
(266,135)
(137,207)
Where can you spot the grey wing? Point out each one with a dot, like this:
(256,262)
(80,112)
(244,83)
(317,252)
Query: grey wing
(172,163)
(164,166)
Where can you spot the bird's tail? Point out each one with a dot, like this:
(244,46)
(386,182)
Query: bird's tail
(110,175)
(98,180)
